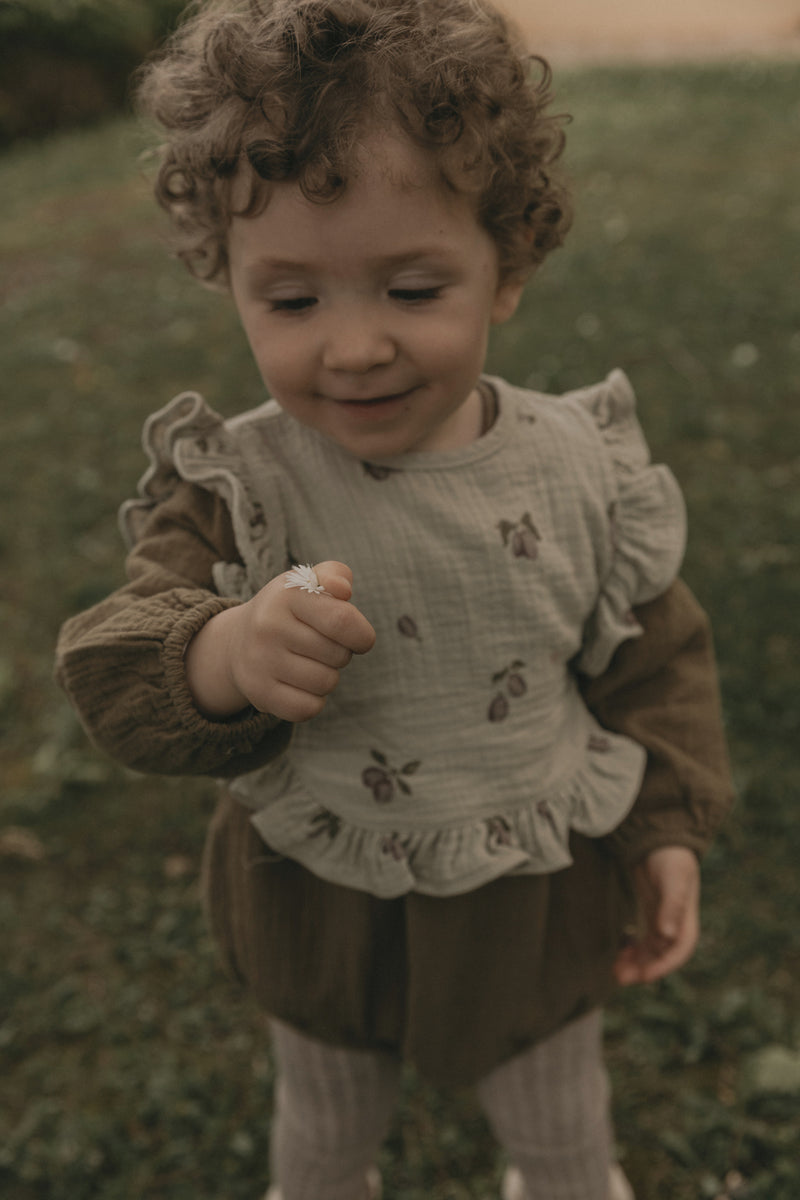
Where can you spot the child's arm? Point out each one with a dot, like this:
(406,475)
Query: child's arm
(122,661)
(661,690)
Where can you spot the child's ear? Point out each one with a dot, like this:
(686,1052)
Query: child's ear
(506,299)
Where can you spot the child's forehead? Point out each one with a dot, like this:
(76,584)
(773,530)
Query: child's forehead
(383,164)
(389,153)
(395,209)
(385,152)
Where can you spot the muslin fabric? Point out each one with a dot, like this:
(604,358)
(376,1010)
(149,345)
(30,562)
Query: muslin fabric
(458,750)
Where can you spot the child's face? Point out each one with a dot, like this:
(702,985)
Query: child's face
(369,316)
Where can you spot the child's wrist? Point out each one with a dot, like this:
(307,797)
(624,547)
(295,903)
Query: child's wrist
(207,665)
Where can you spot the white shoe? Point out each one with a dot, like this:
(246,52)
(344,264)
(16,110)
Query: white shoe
(618,1186)
(513,1187)
(373,1184)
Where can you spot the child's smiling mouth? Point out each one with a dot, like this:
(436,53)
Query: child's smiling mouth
(372,402)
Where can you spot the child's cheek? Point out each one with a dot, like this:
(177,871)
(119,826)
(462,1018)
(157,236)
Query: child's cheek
(279,365)
(460,339)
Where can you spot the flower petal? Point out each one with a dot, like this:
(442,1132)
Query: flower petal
(304,578)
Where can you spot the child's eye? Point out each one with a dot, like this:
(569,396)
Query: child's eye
(293,304)
(415,295)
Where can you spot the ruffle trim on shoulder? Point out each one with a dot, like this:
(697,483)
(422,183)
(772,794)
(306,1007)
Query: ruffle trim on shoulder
(186,440)
(647,523)
(186,415)
(530,839)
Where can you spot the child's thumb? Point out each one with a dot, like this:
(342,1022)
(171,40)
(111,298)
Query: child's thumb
(336,578)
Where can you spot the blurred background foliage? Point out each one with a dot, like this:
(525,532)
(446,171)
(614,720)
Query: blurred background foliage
(65,62)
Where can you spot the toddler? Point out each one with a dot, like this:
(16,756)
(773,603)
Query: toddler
(426,624)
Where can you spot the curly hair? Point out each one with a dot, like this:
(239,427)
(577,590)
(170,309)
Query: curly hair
(289,86)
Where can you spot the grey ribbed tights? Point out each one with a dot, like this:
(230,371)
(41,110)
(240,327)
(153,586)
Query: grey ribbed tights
(548,1107)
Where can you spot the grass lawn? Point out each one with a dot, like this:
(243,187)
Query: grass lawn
(131,1067)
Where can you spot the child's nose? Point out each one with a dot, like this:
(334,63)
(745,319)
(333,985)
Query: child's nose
(357,340)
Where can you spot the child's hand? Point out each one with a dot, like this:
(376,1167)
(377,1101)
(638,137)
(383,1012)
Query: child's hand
(282,651)
(667,885)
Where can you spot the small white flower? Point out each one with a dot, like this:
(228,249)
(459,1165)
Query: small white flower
(304,578)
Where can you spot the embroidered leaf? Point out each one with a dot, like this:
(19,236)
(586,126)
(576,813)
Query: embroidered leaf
(325,822)
(410,768)
(404,788)
(408,627)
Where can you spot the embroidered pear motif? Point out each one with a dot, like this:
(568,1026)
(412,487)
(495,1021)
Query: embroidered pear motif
(499,831)
(395,846)
(522,536)
(515,686)
(498,709)
(383,779)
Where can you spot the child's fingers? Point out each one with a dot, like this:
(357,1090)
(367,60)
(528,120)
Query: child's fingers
(336,578)
(294,686)
(627,967)
(306,641)
(330,612)
(307,675)
(674,954)
(290,703)
(668,883)
(654,957)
